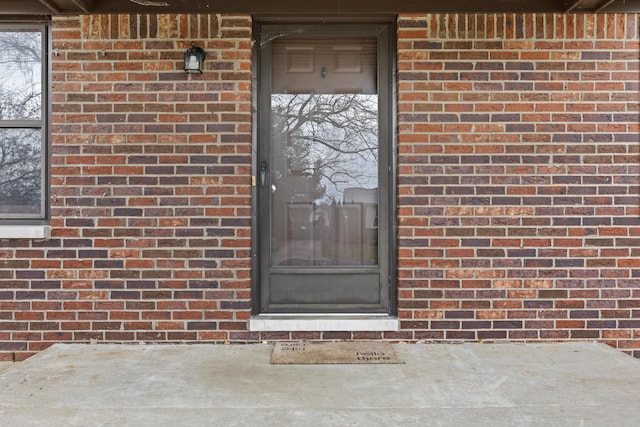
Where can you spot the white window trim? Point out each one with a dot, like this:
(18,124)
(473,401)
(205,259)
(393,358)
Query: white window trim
(25,232)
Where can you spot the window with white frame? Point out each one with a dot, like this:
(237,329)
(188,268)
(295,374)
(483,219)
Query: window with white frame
(23,122)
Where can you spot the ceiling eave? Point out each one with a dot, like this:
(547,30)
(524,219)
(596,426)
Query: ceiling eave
(326,7)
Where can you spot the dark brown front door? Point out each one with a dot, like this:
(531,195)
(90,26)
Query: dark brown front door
(324,169)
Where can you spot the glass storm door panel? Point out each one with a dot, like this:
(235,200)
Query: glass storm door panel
(323,169)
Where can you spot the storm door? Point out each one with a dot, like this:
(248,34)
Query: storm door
(323,170)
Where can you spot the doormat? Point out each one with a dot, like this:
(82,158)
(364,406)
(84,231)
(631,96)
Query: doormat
(319,353)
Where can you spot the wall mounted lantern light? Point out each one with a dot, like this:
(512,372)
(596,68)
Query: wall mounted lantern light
(193,60)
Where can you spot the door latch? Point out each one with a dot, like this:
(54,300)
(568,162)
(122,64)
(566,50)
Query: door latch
(263,174)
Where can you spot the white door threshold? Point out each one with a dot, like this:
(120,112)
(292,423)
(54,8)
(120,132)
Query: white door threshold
(323,322)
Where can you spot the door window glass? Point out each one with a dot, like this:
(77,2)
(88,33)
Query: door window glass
(324,156)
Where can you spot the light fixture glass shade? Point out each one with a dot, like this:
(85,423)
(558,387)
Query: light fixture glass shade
(193,60)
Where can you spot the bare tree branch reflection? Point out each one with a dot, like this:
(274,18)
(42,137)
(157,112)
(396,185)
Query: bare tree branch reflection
(21,108)
(20,76)
(325,179)
(20,155)
(331,136)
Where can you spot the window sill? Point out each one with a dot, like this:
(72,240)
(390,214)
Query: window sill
(309,323)
(25,232)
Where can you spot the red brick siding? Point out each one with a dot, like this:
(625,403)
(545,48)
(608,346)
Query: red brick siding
(519,184)
(519,177)
(150,188)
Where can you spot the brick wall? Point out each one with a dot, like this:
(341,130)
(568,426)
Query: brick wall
(518,184)
(519,177)
(150,188)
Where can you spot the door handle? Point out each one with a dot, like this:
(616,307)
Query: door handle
(263,174)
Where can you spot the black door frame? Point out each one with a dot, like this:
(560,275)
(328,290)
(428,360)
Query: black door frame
(388,252)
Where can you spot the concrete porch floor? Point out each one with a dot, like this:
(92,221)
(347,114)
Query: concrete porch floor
(571,384)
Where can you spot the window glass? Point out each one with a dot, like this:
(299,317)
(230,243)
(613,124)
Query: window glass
(324,149)
(20,171)
(20,75)
(22,123)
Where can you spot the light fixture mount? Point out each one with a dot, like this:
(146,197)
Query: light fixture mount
(194,60)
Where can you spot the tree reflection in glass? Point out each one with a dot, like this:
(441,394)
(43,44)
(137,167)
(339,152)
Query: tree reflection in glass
(324,179)
(20,122)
